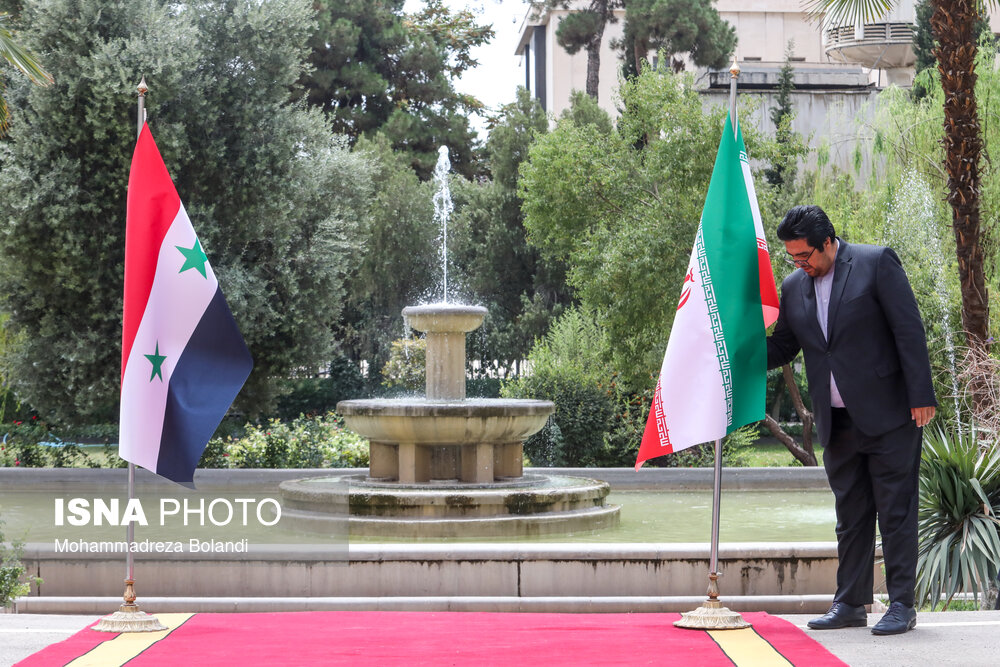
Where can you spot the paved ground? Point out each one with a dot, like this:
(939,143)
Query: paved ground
(969,638)
(24,634)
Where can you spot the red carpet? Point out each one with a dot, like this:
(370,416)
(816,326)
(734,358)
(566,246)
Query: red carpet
(438,638)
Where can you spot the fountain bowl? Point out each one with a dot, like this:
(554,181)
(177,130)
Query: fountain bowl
(422,440)
(443,422)
(444,317)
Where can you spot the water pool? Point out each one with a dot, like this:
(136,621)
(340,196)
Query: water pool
(646,516)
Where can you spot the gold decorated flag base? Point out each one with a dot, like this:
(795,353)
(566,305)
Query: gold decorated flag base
(128,618)
(712,615)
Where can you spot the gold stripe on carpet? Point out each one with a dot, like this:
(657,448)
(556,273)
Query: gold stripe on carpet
(748,649)
(127,645)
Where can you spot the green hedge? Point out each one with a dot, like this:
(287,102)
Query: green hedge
(305,442)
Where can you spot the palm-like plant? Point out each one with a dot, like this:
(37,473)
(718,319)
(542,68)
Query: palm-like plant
(959,531)
(953,25)
(22,60)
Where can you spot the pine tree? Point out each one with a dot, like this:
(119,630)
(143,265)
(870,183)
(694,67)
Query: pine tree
(675,27)
(584,30)
(376,69)
(782,171)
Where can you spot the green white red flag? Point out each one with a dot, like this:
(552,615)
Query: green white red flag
(714,372)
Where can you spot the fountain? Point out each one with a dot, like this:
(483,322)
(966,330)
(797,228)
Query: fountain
(910,230)
(444,465)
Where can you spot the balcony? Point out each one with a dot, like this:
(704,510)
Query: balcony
(874,45)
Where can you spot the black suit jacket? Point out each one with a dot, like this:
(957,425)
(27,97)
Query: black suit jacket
(876,347)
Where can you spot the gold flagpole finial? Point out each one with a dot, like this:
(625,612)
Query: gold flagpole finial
(142,88)
(735,69)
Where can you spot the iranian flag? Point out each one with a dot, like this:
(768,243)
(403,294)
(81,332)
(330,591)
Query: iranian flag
(183,358)
(714,371)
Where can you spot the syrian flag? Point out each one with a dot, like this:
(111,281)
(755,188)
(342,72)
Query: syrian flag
(183,358)
(713,377)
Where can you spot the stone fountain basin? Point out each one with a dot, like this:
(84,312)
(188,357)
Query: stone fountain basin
(424,421)
(444,318)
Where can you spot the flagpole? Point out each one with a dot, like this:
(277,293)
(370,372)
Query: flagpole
(129,618)
(712,615)
(734,74)
(130,530)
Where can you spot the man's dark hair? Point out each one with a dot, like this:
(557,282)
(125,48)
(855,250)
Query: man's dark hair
(809,223)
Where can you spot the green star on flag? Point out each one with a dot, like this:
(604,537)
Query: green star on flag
(194,258)
(157,360)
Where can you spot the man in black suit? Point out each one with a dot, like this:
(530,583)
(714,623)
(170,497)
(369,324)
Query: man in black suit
(851,311)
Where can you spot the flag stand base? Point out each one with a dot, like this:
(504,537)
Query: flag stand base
(712,615)
(128,618)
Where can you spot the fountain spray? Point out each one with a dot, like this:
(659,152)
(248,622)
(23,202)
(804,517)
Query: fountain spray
(443,207)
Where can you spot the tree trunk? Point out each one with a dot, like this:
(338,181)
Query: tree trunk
(804,454)
(639,51)
(594,60)
(779,399)
(953,23)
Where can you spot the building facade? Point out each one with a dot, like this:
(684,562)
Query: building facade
(837,68)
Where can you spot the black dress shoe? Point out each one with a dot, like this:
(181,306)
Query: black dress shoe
(840,616)
(897,620)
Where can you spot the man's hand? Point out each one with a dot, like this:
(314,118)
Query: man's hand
(922,416)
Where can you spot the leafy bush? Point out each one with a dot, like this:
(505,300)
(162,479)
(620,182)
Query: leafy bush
(23,446)
(567,369)
(12,585)
(305,442)
(319,395)
(545,448)
(582,418)
(959,533)
(483,387)
(622,442)
(406,366)
(734,451)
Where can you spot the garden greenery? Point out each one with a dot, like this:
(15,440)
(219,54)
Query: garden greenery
(274,195)
(958,525)
(567,368)
(13,583)
(305,442)
(621,208)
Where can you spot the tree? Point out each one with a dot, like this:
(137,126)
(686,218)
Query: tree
(523,292)
(621,209)
(274,196)
(398,261)
(953,25)
(923,45)
(923,42)
(584,30)
(378,69)
(21,59)
(676,27)
(782,170)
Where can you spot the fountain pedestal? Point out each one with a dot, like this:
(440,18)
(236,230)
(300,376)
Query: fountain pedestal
(444,437)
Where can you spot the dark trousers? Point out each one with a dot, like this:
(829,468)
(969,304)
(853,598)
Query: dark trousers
(874,478)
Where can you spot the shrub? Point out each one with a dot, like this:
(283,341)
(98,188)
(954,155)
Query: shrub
(12,585)
(567,369)
(305,442)
(319,395)
(958,529)
(406,366)
(622,443)
(545,448)
(30,444)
